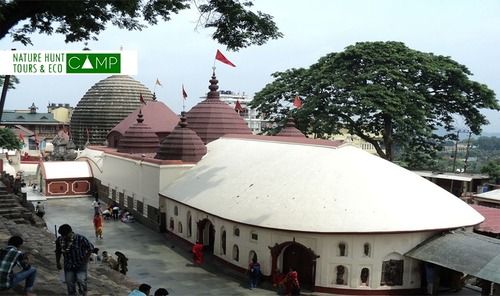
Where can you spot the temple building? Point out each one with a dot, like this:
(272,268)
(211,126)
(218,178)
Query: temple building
(103,106)
(343,218)
(156,115)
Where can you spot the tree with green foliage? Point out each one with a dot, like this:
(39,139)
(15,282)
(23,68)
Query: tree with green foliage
(492,168)
(235,25)
(12,81)
(488,143)
(9,140)
(384,92)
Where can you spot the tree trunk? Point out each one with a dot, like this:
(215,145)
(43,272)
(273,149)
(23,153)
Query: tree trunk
(388,140)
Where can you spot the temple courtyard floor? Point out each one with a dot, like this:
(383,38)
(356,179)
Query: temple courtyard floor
(153,258)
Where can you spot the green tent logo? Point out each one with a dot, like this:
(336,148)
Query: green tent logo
(93,63)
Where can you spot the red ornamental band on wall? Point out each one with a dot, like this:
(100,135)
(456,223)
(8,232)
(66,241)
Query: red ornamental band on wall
(68,187)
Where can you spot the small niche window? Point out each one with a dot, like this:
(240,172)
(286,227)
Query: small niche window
(189,224)
(171,224)
(341,278)
(179,227)
(366,250)
(236,231)
(176,211)
(254,235)
(342,249)
(236,253)
(223,241)
(365,276)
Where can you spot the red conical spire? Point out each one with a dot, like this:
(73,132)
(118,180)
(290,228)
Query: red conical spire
(212,118)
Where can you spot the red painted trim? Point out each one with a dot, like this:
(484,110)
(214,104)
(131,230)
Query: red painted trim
(138,156)
(30,161)
(316,232)
(368,291)
(72,179)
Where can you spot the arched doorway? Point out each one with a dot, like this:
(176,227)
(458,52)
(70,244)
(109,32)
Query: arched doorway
(206,234)
(297,256)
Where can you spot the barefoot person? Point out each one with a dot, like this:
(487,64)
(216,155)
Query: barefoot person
(98,225)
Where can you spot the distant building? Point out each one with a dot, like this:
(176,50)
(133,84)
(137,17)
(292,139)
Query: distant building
(460,184)
(355,141)
(61,112)
(43,125)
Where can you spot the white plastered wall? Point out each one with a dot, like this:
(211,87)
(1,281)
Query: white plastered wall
(382,247)
(139,179)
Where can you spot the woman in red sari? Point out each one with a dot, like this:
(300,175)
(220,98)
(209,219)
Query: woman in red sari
(98,225)
(197,251)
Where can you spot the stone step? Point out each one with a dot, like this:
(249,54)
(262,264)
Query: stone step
(20,221)
(16,208)
(8,204)
(8,197)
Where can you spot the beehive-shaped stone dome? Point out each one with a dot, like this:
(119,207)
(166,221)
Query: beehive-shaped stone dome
(182,144)
(289,130)
(213,118)
(103,106)
(139,138)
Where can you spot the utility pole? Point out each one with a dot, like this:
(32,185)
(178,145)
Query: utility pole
(467,152)
(455,153)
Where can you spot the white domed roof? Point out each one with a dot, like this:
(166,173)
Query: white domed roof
(344,190)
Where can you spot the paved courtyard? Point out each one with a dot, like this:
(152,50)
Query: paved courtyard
(153,259)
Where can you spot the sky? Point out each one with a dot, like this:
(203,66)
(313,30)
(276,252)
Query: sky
(177,53)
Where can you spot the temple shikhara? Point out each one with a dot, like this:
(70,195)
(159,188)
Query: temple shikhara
(349,222)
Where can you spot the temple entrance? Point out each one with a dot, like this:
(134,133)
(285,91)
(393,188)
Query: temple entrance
(206,234)
(297,256)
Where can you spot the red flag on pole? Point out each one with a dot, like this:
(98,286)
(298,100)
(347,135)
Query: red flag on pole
(297,102)
(141,98)
(221,58)
(184,93)
(21,137)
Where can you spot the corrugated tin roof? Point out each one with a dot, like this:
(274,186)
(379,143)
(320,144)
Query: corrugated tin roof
(451,176)
(467,252)
(66,169)
(19,117)
(493,194)
(491,222)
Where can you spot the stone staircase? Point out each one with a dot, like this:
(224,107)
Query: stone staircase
(12,209)
(15,219)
